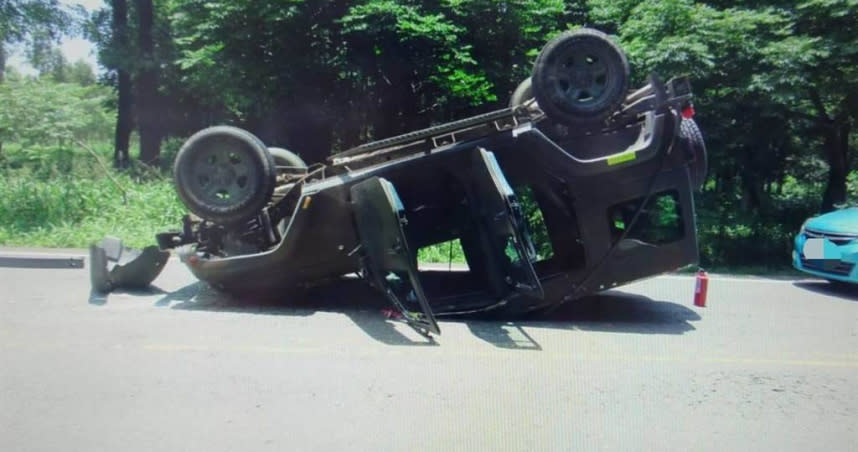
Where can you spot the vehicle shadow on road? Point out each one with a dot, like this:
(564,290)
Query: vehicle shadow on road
(97,298)
(612,311)
(620,312)
(355,299)
(839,290)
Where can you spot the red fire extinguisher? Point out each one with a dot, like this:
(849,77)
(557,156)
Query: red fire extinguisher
(702,285)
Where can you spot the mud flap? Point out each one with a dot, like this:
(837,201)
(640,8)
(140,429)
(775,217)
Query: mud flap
(386,258)
(502,226)
(114,266)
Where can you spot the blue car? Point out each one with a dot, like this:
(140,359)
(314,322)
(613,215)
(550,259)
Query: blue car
(827,246)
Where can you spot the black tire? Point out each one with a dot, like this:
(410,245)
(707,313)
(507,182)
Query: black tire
(580,77)
(283,157)
(523,93)
(224,174)
(692,144)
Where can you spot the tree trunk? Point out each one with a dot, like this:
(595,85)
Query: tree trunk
(836,153)
(147,87)
(2,61)
(123,111)
(2,76)
(124,122)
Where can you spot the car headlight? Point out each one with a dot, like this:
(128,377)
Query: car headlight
(803,226)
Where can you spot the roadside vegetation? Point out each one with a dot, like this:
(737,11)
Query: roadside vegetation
(82,156)
(57,184)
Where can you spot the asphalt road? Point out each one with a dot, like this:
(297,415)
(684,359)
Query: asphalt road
(768,365)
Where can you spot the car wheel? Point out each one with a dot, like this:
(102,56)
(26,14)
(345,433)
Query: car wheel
(522,93)
(224,174)
(580,77)
(283,157)
(691,142)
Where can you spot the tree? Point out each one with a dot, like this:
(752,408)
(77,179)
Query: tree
(148,106)
(277,69)
(117,58)
(722,50)
(80,72)
(31,22)
(44,118)
(813,74)
(50,62)
(511,33)
(316,76)
(410,65)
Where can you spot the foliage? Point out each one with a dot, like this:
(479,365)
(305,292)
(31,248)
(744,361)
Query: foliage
(442,253)
(52,64)
(36,24)
(79,208)
(754,66)
(36,21)
(42,119)
(351,71)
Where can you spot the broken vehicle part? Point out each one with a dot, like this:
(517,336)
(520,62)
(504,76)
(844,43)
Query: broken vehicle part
(114,266)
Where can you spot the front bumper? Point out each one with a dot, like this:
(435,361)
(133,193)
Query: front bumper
(840,263)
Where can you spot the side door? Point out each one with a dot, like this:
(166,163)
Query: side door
(501,227)
(387,260)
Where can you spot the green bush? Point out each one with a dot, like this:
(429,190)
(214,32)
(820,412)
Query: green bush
(442,253)
(74,210)
(41,122)
(731,236)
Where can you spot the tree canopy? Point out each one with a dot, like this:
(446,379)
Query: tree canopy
(34,23)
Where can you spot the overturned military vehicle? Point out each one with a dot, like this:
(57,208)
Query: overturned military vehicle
(579,186)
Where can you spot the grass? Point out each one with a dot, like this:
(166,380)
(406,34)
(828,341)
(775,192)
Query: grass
(74,209)
(442,253)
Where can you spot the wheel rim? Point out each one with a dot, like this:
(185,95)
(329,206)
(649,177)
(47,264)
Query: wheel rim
(224,174)
(580,75)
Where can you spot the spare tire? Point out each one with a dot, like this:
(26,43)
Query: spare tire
(692,144)
(224,174)
(580,77)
